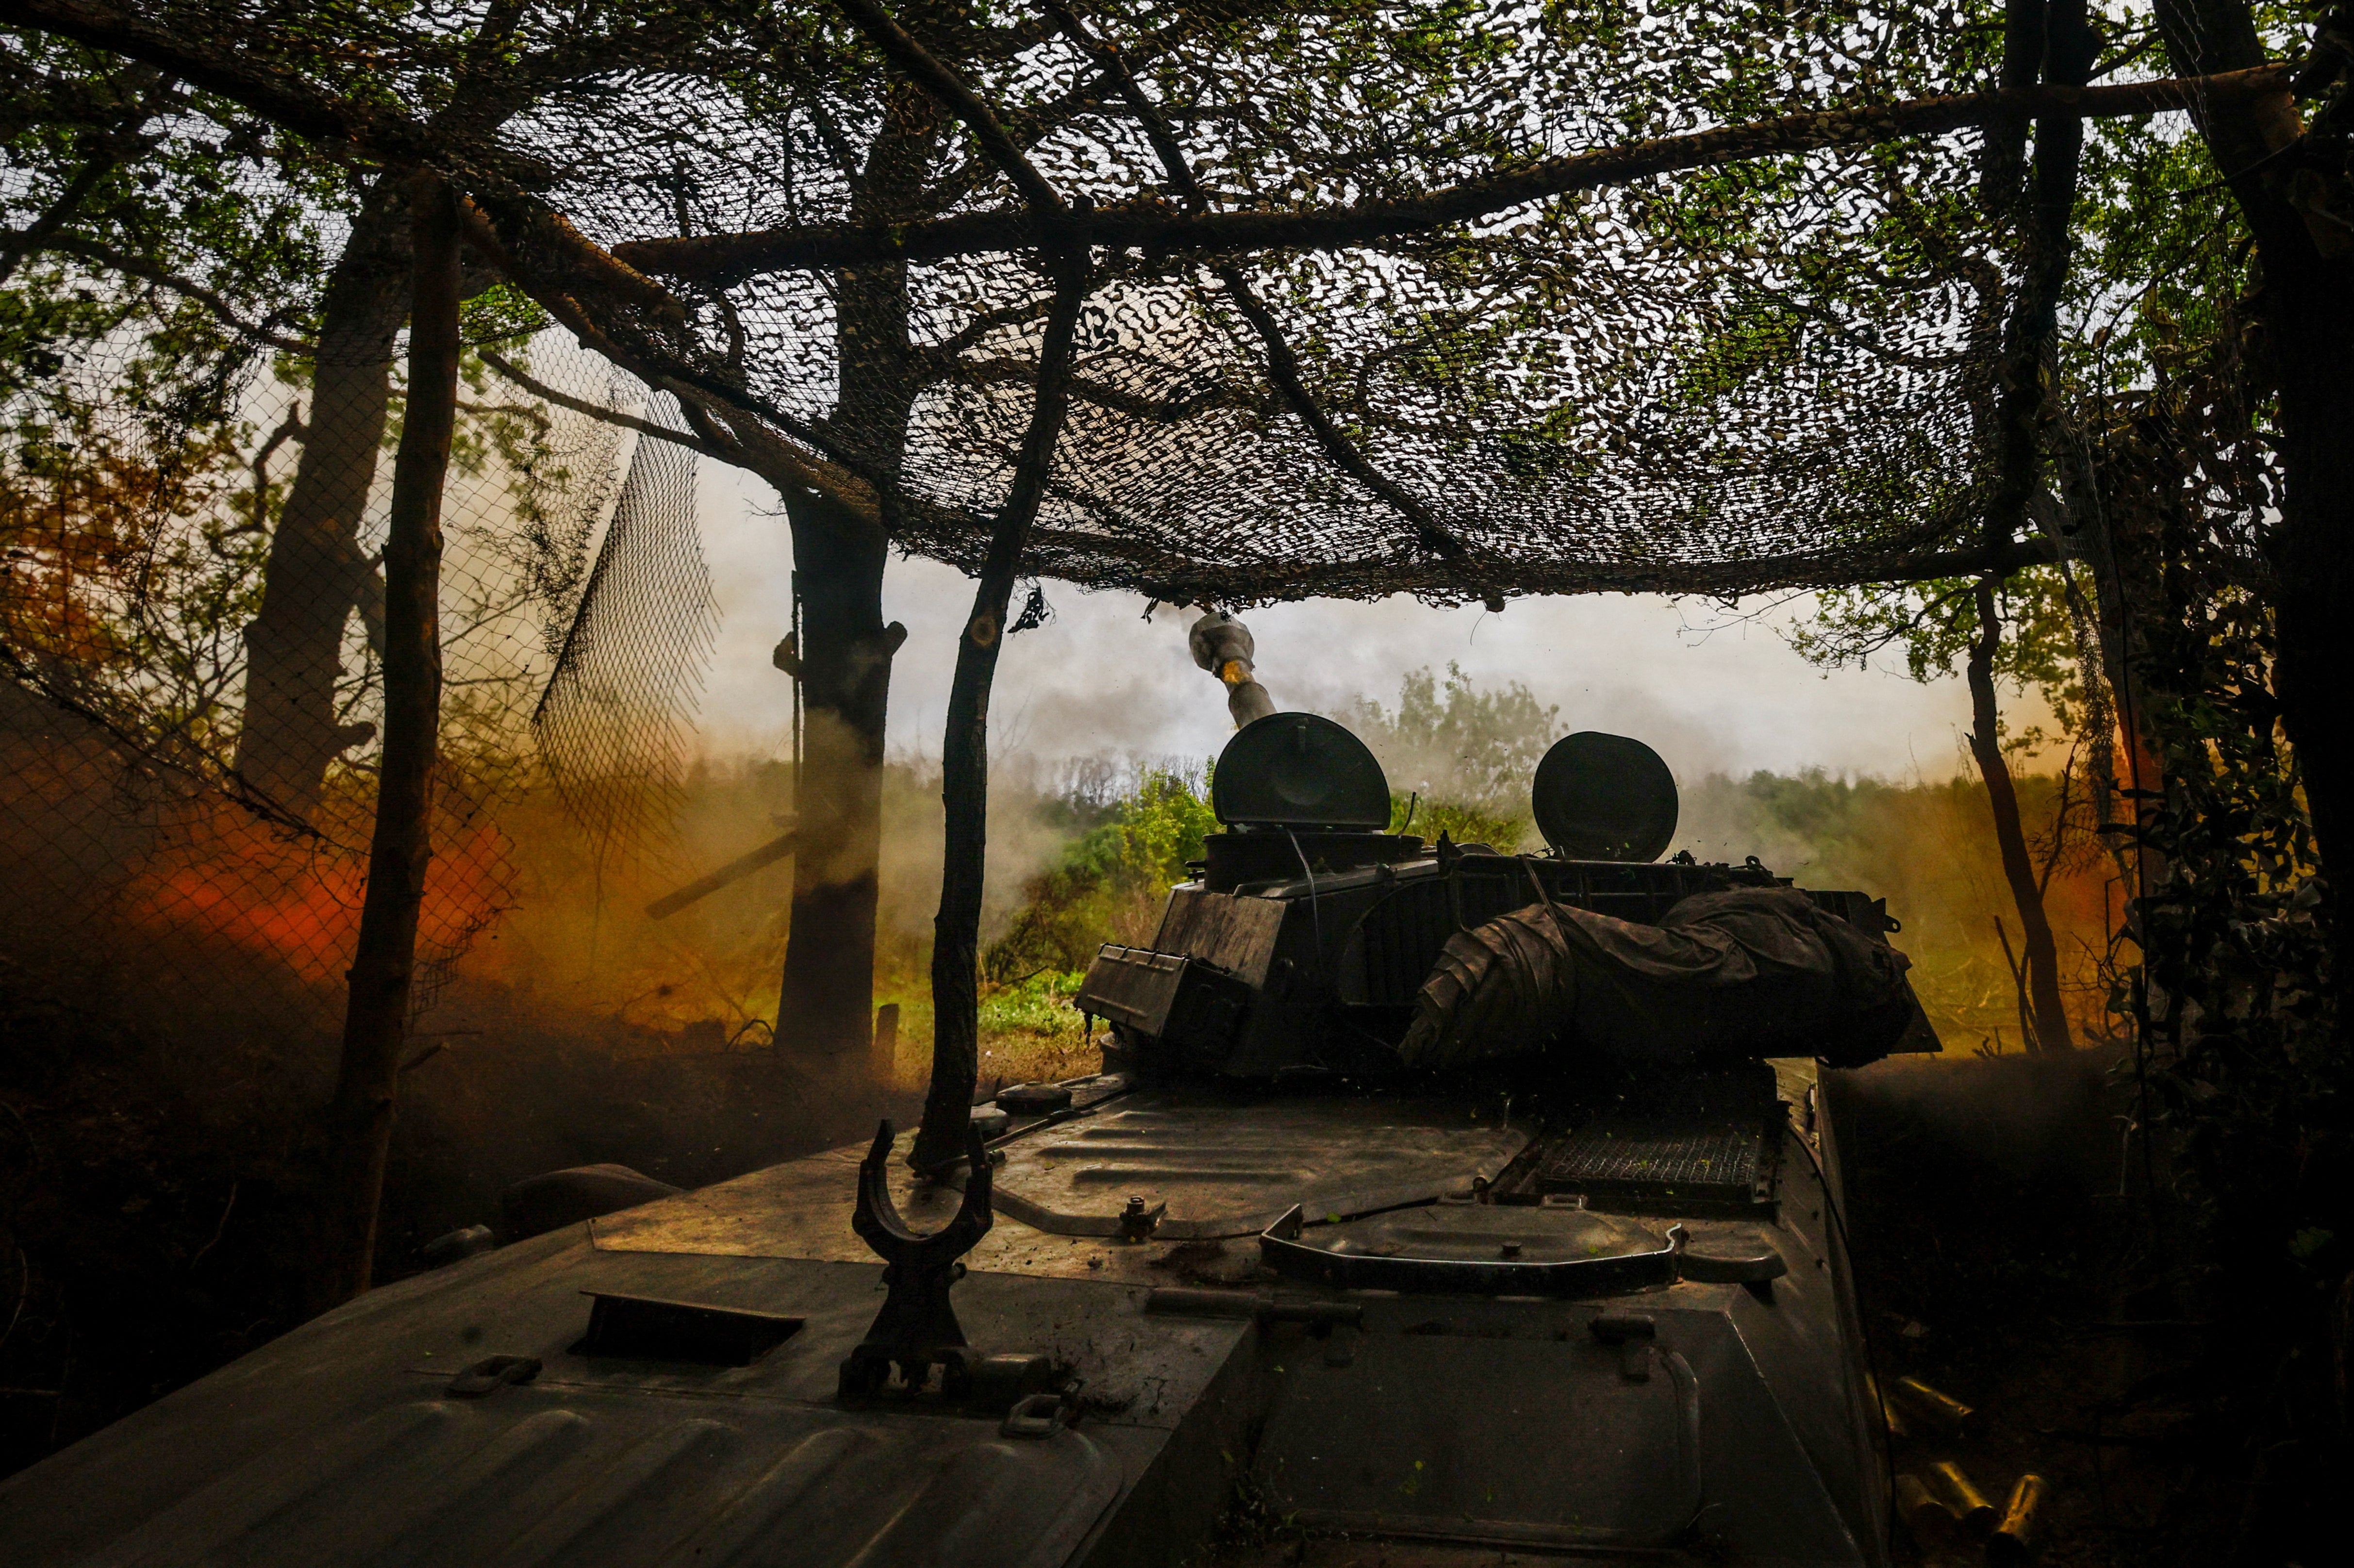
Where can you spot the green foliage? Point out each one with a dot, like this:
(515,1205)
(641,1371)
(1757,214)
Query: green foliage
(133,563)
(155,239)
(1109,880)
(1469,754)
(2237,993)
(139,216)
(1832,815)
(1763,343)
(1462,824)
(1031,1029)
(1038,1004)
(1156,831)
(1930,850)
(1464,755)
(1931,626)
(501,314)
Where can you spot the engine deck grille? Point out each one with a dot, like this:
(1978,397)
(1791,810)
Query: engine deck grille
(1661,1160)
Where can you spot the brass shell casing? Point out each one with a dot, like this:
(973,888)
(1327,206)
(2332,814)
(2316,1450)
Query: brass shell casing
(1978,1516)
(1932,1522)
(1890,1416)
(1937,1409)
(2013,1540)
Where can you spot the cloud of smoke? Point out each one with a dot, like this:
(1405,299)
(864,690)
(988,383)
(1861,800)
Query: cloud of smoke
(1104,685)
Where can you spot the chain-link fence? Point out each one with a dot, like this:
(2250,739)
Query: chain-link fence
(193,633)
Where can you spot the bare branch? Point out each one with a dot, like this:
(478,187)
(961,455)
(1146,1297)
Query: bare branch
(147,271)
(1161,410)
(232,63)
(1177,578)
(1152,224)
(597,411)
(1165,145)
(945,86)
(1283,368)
(17,245)
(984,323)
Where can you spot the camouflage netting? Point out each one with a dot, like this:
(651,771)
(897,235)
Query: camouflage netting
(1713,383)
(1380,298)
(613,722)
(1778,371)
(140,851)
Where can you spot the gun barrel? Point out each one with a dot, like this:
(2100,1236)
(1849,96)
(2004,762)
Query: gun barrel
(1223,646)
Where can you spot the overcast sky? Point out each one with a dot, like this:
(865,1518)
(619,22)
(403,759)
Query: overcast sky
(1711,695)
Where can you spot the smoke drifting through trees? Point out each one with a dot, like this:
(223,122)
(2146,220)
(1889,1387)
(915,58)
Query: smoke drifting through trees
(1496,299)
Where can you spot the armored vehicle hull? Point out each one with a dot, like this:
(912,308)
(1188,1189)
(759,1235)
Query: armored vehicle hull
(1587,1394)
(1260,1285)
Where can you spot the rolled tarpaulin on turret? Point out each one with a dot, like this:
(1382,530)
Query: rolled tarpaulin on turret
(1747,973)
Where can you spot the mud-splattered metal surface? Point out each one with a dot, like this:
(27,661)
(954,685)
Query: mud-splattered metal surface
(801,1210)
(341,1444)
(1225,1169)
(1231,1167)
(1636,1425)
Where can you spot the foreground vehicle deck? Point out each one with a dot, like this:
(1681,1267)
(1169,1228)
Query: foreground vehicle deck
(1664,1418)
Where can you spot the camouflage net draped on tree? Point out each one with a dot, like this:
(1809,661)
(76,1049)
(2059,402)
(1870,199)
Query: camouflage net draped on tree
(1464,303)
(1710,383)
(1220,301)
(1223,302)
(1489,302)
(147,844)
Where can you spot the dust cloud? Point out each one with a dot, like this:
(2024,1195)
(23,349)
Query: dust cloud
(1852,778)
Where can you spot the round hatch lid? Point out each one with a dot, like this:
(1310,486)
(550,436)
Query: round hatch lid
(1605,797)
(1730,1260)
(1297,771)
(1471,1249)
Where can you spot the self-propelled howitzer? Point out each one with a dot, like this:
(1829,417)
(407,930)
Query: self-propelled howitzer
(1455,1199)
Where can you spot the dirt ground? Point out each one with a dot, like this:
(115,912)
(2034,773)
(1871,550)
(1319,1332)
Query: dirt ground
(2009,1255)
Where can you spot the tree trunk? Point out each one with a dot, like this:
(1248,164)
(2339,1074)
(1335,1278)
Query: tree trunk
(828,998)
(2308,300)
(964,758)
(2040,952)
(316,573)
(2312,358)
(376,1021)
(2054,39)
(826,1006)
(2307,306)
(2116,514)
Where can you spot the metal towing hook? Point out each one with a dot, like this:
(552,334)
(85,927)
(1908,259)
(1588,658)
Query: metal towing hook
(917,1328)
